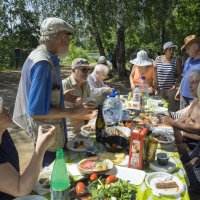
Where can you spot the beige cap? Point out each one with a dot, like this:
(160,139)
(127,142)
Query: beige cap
(55,25)
(79,62)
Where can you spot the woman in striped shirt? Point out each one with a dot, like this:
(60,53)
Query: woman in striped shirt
(168,69)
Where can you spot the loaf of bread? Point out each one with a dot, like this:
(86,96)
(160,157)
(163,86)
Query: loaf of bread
(167,184)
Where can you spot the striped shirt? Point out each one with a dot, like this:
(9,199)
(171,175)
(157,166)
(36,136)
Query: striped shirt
(166,73)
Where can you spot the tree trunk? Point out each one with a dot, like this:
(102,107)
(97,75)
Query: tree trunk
(96,33)
(120,48)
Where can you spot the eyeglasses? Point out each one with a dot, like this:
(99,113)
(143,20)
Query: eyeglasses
(82,62)
(83,69)
(69,35)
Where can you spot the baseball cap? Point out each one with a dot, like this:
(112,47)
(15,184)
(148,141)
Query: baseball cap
(80,62)
(169,45)
(55,25)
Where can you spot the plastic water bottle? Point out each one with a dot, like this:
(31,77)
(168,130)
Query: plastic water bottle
(137,93)
(144,86)
(59,178)
(137,98)
(112,109)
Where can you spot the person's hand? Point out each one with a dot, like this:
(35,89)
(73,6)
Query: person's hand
(151,90)
(45,140)
(109,90)
(177,96)
(70,97)
(166,120)
(84,112)
(89,105)
(173,87)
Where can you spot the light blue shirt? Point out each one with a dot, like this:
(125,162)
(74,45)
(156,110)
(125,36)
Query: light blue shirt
(189,66)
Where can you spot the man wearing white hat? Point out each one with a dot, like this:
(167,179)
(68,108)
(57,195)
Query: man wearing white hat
(40,98)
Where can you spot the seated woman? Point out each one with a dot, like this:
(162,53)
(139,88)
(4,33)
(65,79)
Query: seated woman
(14,184)
(99,90)
(143,66)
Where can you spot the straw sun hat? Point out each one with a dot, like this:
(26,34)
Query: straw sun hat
(189,40)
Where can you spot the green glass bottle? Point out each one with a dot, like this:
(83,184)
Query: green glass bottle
(59,178)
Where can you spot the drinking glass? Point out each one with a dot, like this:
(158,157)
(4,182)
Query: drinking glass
(46,127)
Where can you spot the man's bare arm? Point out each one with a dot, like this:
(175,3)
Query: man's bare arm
(189,128)
(78,112)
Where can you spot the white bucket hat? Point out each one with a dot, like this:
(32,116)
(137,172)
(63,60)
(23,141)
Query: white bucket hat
(55,25)
(142,59)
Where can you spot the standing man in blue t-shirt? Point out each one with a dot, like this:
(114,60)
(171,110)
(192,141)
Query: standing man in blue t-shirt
(40,98)
(192,45)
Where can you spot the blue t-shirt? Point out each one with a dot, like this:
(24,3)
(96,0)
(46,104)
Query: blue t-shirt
(41,79)
(40,89)
(189,66)
(8,154)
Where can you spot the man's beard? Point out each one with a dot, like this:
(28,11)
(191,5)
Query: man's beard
(64,54)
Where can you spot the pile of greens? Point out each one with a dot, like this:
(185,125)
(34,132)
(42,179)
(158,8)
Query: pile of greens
(119,190)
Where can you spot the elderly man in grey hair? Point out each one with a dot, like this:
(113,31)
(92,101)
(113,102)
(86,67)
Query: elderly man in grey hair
(40,98)
(77,83)
(99,90)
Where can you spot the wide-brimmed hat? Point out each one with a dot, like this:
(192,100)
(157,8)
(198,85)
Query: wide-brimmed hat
(79,62)
(54,25)
(168,45)
(189,40)
(142,59)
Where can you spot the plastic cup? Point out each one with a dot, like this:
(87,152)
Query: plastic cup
(1,104)
(46,127)
(162,158)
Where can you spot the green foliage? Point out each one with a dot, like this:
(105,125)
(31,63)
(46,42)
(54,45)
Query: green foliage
(147,24)
(74,52)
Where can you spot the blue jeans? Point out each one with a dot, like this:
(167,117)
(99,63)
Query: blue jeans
(49,157)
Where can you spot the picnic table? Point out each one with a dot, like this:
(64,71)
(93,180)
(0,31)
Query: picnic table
(143,190)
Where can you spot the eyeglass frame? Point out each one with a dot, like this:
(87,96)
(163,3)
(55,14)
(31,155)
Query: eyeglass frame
(83,70)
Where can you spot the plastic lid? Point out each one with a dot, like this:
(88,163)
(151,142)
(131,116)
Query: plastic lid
(136,86)
(114,93)
(59,153)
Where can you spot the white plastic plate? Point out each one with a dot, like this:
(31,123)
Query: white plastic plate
(152,178)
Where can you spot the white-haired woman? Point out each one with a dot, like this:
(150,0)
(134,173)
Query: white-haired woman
(99,90)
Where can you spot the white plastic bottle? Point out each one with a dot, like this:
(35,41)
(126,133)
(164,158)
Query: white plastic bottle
(144,85)
(137,98)
(137,93)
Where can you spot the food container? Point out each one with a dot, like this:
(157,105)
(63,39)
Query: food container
(162,158)
(136,150)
